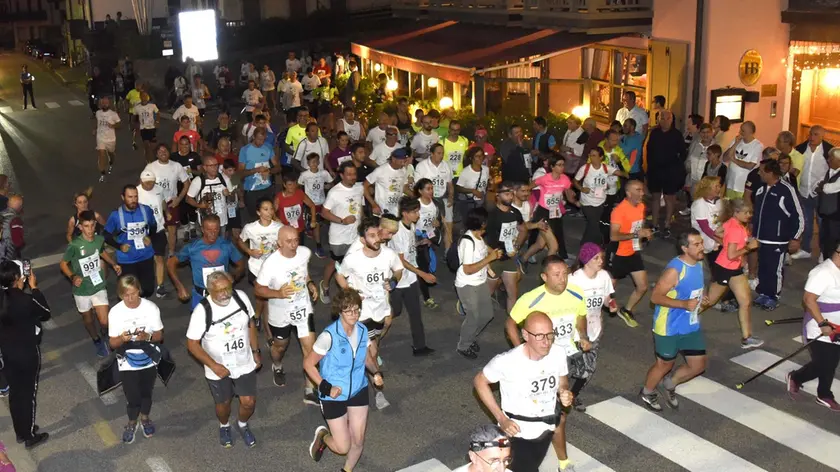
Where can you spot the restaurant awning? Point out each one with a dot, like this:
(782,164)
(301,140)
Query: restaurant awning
(452,50)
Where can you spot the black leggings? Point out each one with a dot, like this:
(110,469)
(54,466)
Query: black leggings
(556,225)
(605,222)
(138,386)
(528,454)
(824,360)
(21,370)
(592,233)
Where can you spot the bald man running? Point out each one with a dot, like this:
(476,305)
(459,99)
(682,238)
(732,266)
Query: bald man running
(284,281)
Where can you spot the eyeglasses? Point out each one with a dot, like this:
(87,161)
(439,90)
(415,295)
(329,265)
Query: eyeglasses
(496,463)
(542,336)
(354,310)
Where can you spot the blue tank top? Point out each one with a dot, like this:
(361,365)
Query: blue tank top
(676,321)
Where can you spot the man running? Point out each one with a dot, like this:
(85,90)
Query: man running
(371,272)
(626,228)
(205,256)
(209,191)
(387,183)
(343,209)
(566,309)
(81,264)
(223,337)
(532,378)
(151,195)
(148,119)
(284,281)
(438,171)
(128,229)
(107,121)
(676,324)
(489,450)
(169,175)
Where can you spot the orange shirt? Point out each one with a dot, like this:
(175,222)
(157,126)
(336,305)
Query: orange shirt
(630,219)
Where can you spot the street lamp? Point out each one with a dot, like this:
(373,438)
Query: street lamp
(433,82)
(391,85)
(581,112)
(377,67)
(445,103)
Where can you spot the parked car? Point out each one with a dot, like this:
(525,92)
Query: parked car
(32,46)
(46,51)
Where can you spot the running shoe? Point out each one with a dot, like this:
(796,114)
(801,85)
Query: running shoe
(4,392)
(761,300)
(423,351)
(160,292)
(666,233)
(247,436)
(311,398)
(828,403)
(727,306)
(431,304)
(110,167)
(225,437)
(532,260)
(324,292)
(101,348)
(129,432)
(766,303)
(35,440)
(753,283)
(317,446)
(628,317)
(650,400)
(670,396)
(792,386)
(469,354)
(279,377)
(460,308)
(568,468)
(685,211)
(579,406)
(654,229)
(475,347)
(134,145)
(148,428)
(102,178)
(319,253)
(523,265)
(751,342)
(800,254)
(381,401)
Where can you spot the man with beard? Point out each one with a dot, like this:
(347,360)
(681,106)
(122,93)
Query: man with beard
(128,229)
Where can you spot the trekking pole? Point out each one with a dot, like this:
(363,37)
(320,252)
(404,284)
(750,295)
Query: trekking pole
(797,319)
(739,386)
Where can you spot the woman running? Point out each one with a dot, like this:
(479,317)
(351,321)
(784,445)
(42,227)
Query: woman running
(337,364)
(289,206)
(258,239)
(537,239)
(81,201)
(428,229)
(727,269)
(471,185)
(555,189)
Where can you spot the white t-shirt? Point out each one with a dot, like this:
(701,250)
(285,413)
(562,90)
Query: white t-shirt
(474,180)
(292,94)
(251,98)
(596,181)
(639,116)
(470,252)
(167,177)
(309,84)
(703,209)
(596,291)
(404,242)
(823,281)
(267,81)
(216,187)
(293,65)
(376,136)
(278,271)
(370,275)
(306,147)
(146,318)
(736,176)
(527,387)
(323,342)
(154,199)
(146,114)
(343,202)
(524,210)
(191,112)
(382,152)
(260,237)
(228,342)
(421,143)
(354,131)
(104,120)
(389,184)
(440,175)
(428,215)
(314,184)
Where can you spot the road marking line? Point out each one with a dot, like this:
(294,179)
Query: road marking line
(798,339)
(431,465)
(75,103)
(784,428)
(584,462)
(157,464)
(665,438)
(89,375)
(758,360)
(52,105)
(103,429)
(5,110)
(49,325)
(47,261)
(51,355)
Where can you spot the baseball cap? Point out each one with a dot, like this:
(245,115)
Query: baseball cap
(399,153)
(147,176)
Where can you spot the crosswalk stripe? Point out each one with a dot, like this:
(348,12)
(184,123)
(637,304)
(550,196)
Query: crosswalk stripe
(52,105)
(5,110)
(431,465)
(584,462)
(75,103)
(785,429)
(665,438)
(759,360)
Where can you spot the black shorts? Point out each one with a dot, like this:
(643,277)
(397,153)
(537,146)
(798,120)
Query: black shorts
(285,332)
(159,243)
(224,389)
(251,278)
(235,222)
(374,328)
(622,266)
(669,185)
(148,135)
(332,409)
(721,275)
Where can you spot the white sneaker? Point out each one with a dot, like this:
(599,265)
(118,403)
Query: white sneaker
(753,284)
(662,201)
(800,254)
(381,401)
(685,212)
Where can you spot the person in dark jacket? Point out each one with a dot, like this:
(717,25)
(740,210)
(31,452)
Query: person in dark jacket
(828,206)
(666,155)
(516,158)
(778,225)
(20,339)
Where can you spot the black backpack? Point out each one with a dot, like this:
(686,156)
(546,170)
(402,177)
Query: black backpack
(452,260)
(208,312)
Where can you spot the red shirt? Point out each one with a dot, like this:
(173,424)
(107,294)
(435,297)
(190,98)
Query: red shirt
(231,156)
(192,135)
(290,209)
(322,70)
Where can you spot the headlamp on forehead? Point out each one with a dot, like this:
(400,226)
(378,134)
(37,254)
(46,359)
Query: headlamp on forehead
(477,446)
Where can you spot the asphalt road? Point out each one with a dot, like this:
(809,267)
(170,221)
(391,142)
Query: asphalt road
(49,155)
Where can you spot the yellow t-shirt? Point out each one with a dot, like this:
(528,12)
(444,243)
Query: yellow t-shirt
(563,310)
(133,98)
(797,160)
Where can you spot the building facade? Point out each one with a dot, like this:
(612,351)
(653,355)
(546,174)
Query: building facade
(24,20)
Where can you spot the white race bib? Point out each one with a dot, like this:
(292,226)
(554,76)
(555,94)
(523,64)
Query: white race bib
(136,232)
(507,234)
(206,271)
(292,214)
(90,268)
(235,351)
(696,295)
(553,202)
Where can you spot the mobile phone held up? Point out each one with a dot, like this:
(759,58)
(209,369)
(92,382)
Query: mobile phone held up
(26,266)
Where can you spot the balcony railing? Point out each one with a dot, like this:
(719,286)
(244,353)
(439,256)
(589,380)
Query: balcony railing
(572,13)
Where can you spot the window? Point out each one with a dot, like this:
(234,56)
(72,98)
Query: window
(613,72)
